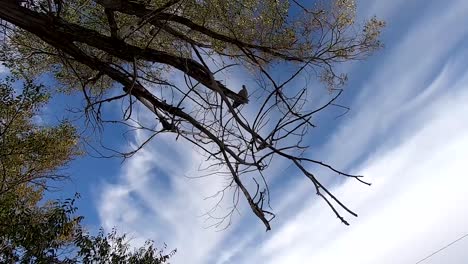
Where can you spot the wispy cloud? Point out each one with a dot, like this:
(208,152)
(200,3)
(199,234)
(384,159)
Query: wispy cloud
(407,132)
(412,207)
(154,198)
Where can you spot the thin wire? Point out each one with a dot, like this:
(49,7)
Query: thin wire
(453,242)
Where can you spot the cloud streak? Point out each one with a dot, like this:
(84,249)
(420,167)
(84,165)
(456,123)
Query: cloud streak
(414,200)
(406,132)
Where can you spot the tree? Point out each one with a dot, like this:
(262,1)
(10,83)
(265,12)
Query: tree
(112,248)
(139,46)
(31,156)
(53,234)
(29,152)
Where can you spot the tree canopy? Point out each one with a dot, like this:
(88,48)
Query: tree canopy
(32,155)
(168,55)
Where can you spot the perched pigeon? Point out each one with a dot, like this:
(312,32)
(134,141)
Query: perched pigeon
(244,94)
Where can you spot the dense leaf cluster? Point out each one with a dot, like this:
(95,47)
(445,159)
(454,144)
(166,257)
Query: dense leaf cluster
(31,155)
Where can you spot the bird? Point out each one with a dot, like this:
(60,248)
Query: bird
(263,145)
(244,94)
(166,125)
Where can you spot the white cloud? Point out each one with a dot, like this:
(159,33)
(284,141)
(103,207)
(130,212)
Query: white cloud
(399,78)
(154,200)
(416,136)
(412,209)
(408,125)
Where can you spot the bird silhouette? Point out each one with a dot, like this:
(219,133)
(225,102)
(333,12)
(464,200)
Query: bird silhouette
(166,125)
(244,94)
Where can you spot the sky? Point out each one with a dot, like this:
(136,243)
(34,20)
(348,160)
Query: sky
(407,132)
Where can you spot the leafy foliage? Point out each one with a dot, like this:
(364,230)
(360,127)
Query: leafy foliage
(30,152)
(112,248)
(52,234)
(35,234)
(169,55)
(34,231)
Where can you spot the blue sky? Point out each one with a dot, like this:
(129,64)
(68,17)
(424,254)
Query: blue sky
(407,132)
